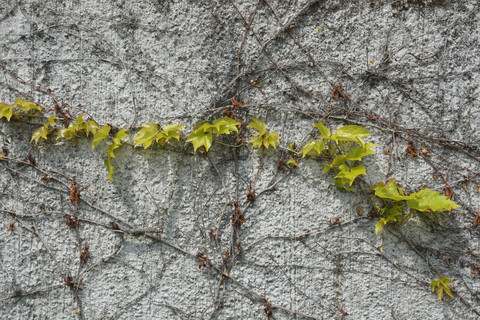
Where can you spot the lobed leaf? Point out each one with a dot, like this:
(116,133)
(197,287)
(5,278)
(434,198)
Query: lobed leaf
(6,111)
(429,200)
(389,215)
(362,151)
(390,191)
(342,183)
(271,139)
(350,174)
(312,147)
(26,105)
(41,132)
(442,284)
(66,133)
(336,162)
(292,163)
(100,135)
(146,135)
(91,127)
(258,125)
(201,137)
(350,133)
(111,169)
(225,125)
(256,141)
(324,131)
(168,132)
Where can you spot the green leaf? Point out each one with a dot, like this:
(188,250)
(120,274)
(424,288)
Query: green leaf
(389,215)
(121,134)
(442,284)
(336,162)
(200,137)
(225,125)
(146,135)
(362,151)
(66,133)
(324,131)
(291,146)
(257,141)
(390,191)
(292,163)
(271,139)
(168,132)
(342,184)
(429,200)
(91,127)
(111,169)
(51,120)
(25,105)
(379,225)
(80,125)
(350,174)
(312,148)
(6,111)
(350,133)
(258,125)
(41,132)
(100,135)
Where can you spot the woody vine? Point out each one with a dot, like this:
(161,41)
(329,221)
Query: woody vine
(342,150)
(233,147)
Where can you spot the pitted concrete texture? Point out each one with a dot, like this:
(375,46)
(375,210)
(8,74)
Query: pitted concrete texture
(410,69)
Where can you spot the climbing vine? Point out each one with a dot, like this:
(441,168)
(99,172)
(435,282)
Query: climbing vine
(288,123)
(336,147)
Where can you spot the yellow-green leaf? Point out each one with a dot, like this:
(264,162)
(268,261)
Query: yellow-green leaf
(6,111)
(442,284)
(111,169)
(336,162)
(350,174)
(312,148)
(390,191)
(100,135)
(379,225)
(66,133)
(258,125)
(256,141)
(292,163)
(362,151)
(429,200)
(25,105)
(168,132)
(271,139)
(91,127)
(351,133)
(325,132)
(41,132)
(51,120)
(146,135)
(225,125)
(121,134)
(200,137)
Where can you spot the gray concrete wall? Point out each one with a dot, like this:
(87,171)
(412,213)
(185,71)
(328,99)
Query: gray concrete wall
(411,70)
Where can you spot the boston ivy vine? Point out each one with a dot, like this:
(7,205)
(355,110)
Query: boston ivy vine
(343,150)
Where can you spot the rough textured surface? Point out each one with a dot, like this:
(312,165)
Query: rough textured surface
(411,71)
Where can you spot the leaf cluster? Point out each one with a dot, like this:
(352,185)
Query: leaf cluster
(442,285)
(18,108)
(265,138)
(204,132)
(330,145)
(425,200)
(151,132)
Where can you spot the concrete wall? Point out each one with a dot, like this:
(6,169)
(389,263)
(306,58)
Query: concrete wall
(411,69)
